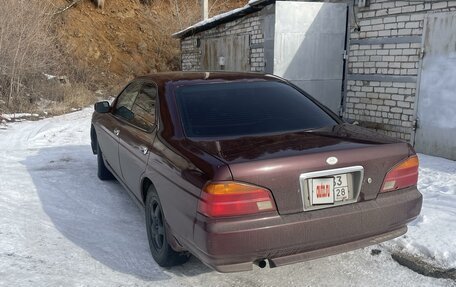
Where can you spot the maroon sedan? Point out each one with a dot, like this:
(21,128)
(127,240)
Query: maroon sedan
(241,169)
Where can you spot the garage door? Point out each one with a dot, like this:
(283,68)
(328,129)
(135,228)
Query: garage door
(436,102)
(230,53)
(309,48)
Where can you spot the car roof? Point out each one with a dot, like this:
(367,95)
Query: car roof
(161,78)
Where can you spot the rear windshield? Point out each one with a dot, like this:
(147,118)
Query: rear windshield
(247,108)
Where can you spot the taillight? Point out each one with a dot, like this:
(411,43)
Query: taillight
(230,198)
(402,175)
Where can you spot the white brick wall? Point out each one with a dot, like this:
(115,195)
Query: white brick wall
(387,106)
(387,59)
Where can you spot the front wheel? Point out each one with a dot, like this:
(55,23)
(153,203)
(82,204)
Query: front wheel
(161,251)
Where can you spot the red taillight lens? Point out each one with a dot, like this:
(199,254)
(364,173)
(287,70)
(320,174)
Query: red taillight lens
(402,175)
(220,199)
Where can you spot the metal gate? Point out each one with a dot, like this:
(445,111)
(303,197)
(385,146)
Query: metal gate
(230,53)
(309,48)
(436,100)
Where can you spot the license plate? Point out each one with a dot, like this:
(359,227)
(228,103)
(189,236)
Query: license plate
(327,190)
(323,190)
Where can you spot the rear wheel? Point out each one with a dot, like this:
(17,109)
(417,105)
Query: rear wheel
(161,251)
(103,171)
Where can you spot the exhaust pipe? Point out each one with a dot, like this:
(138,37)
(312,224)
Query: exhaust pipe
(261,263)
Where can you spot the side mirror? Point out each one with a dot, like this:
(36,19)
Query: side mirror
(102,107)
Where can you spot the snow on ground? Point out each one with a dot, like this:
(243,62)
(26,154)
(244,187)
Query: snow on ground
(17,116)
(432,235)
(61,226)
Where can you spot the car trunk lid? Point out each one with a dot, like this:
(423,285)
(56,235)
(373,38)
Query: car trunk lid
(277,161)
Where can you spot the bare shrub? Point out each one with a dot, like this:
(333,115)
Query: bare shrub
(69,98)
(52,97)
(25,46)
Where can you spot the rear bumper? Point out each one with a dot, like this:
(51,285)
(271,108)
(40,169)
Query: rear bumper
(230,245)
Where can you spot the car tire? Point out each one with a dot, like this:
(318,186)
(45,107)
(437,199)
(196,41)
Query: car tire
(161,251)
(103,172)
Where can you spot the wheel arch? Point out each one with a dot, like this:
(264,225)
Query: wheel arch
(146,183)
(172,240)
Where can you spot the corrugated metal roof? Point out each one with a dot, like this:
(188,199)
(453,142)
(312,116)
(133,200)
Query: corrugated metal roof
(251,7)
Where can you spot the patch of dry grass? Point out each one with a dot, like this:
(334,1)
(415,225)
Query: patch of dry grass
(72,98)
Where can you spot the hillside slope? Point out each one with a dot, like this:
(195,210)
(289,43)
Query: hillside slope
(128,38)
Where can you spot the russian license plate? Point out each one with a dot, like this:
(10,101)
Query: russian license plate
(326,190)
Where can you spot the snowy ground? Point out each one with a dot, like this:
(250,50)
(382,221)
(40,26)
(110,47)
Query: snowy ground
(61,226)
(432,235)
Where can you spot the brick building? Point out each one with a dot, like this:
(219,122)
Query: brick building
(245,23)
(397,59)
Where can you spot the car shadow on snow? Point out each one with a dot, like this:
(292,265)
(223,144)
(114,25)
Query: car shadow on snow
(98,216)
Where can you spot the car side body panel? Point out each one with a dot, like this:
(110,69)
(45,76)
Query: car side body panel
(134,146)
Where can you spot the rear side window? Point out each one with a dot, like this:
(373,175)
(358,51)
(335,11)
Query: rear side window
(247,108)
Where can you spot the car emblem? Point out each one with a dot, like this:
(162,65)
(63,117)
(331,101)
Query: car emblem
(331,160)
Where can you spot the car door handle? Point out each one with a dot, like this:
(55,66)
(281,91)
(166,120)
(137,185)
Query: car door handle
(116,132)
(143,149)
